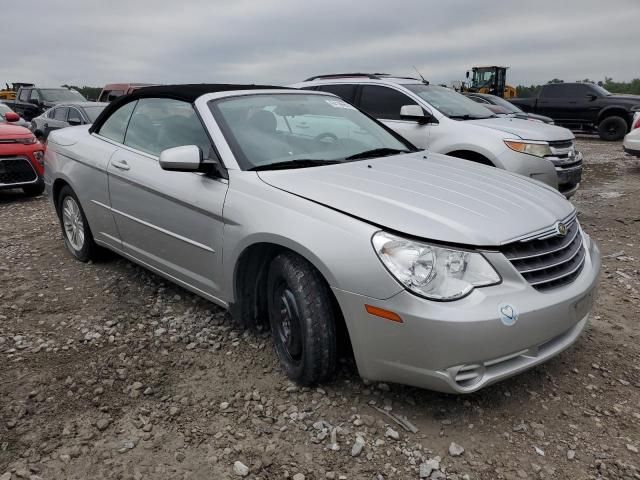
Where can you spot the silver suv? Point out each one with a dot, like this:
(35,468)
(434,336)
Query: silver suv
(443,121)
(295,209)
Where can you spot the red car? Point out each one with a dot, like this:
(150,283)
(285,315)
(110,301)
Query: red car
(21,158)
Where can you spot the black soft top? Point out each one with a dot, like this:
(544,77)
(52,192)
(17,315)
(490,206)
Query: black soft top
(186,92)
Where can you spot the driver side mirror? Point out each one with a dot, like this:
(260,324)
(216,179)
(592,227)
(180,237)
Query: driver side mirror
(74,122)
(187,158)
(34,101)
(591,96)
(12,117)
(415,113)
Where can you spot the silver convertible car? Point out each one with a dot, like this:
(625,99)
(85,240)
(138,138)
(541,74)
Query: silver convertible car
(295,209)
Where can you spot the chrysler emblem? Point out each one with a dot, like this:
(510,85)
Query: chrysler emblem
(561,228)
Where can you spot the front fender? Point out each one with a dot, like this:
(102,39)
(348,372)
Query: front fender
(338,245)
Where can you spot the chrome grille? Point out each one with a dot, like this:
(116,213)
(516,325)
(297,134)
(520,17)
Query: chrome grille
(548,262)
(16,171)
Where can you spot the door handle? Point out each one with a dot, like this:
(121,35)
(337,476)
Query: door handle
(120,165)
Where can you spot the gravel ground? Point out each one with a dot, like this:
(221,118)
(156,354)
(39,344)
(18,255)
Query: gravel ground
(108,371)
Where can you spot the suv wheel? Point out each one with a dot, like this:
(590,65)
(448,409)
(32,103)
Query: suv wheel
(75,228)
(612,128)
(302,319)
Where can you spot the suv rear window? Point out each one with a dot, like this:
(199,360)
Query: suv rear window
(383,102)
(344,91)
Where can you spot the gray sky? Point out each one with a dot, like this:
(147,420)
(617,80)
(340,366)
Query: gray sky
(93,42)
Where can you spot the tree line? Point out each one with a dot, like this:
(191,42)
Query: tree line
(632,87)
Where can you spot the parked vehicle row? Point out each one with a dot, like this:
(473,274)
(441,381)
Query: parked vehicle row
(439,272)
(66,115)
(444,121)
(32,101)
(584,106)
(506,107)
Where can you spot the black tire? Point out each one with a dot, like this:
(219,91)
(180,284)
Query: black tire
(88,250)
(612,128)
(33,190)
(302,319)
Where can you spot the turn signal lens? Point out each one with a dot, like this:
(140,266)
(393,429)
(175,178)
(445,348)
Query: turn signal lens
(382,313)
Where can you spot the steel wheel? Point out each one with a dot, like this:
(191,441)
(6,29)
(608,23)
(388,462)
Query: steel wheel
(72,222)
(288,329)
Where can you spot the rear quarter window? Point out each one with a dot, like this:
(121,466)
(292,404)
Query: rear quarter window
(115,127)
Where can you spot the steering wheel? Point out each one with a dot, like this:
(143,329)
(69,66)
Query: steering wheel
(326,138)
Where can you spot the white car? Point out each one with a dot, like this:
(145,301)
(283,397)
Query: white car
(631,143)
(443,121)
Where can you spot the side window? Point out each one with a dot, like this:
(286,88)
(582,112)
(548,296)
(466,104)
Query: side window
(60,114)
(34,95)
(346,92)
(383,102)
(74,116)
(104,95)
(115,126)
(555,91)
(161,123)
(24,95)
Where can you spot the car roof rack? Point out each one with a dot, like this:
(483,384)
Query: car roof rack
(373,76)
(345,75)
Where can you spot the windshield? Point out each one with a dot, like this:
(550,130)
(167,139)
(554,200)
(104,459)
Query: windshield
(602,91)
(267,129)
(93,112)
(508,106)
(452,104)
(61,95)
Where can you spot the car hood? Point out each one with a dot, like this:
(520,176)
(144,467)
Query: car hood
(625,96)
(430,196)
(525,129)
(9,130)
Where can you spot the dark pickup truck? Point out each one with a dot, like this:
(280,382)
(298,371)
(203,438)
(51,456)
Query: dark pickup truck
(584,106)
(33,101)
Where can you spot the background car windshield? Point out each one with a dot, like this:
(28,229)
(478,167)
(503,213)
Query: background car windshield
(93,112)
(508,106)
(450,103)
(267,129)
(601,90)
(61,95)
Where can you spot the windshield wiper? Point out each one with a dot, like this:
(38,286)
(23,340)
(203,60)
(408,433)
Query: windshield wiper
(300,163)
(376,152)
(466,116)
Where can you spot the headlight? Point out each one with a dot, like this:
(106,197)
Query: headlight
(27,141)
(538,149)
(435,272)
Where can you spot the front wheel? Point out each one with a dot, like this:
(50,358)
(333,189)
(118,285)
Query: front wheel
(75,228)
(302,319)
(612,128)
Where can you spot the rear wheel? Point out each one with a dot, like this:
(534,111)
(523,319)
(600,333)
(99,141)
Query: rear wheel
(612,128)
(75,228)
(302,319)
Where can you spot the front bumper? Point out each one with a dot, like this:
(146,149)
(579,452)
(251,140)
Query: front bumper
(462,346)
(20,170)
